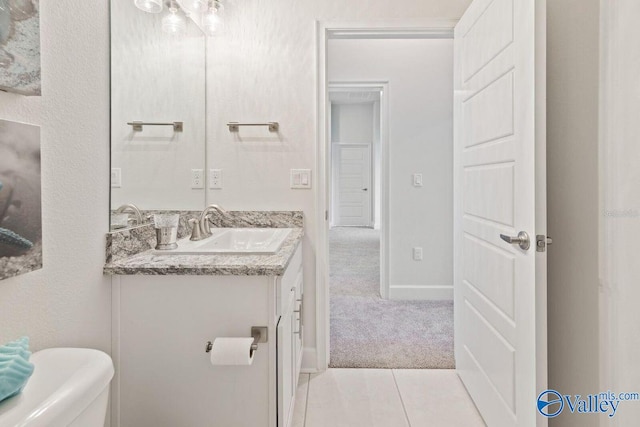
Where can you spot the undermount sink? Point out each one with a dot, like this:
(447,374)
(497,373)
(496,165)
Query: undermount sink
(239,241)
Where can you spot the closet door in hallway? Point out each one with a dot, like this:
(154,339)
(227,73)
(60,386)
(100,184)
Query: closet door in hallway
(352,185)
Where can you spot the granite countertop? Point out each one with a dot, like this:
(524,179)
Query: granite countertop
(151,263)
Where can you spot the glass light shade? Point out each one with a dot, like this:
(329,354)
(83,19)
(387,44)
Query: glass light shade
(151,6)
(174,23)
(194,6)
(212,20)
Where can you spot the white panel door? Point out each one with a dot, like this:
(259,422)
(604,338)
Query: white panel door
(500,324)
(352,186)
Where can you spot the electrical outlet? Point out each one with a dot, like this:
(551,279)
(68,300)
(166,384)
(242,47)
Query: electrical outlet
(417,254)
(301,178)
(197,178)
(417,180)
(116,177)
(215,179)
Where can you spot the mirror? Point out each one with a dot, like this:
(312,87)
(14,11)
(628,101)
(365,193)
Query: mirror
(158,73)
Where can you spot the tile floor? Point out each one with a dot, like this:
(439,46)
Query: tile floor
(384,398)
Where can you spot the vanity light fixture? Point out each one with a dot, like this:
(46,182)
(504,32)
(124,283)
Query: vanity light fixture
(207,14)
(212,20)
(194,6)
(174,23)
(151,6)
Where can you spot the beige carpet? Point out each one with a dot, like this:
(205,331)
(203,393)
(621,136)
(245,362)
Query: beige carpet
(369,332)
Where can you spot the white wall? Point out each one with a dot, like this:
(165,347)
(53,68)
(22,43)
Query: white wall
(68,302)
(572,193)
(157,77)
(263,68)
(352,123)
(620,198)
(420,76)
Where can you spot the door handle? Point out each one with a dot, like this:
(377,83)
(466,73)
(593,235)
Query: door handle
(300,312)
(522,240)
(365,189)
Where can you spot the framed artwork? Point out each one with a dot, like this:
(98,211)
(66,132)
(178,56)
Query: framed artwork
(20,199)
(20,46)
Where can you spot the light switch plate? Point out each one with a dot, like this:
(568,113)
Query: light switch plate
(417,254)
(116,177)
(417,180)
(300,178)
(215,179)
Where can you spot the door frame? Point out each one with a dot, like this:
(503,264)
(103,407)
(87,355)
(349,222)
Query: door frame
(383,87)
(430,28)
(363,86)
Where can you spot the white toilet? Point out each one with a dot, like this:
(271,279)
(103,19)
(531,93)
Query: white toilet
(69,387)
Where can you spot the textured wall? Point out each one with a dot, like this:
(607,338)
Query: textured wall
(572,194)
(68,302)
(263,68)
(620,198)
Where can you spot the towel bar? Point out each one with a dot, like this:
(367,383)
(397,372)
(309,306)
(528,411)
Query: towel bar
(235,126)
(137,125)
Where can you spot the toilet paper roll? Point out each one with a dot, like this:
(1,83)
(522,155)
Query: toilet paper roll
(231,352)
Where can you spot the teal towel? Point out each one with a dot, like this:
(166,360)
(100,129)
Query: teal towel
(15,368)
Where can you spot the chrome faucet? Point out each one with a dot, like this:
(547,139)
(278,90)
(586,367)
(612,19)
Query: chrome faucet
(201,228)
(131,208)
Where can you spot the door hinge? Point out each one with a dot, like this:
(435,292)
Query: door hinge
(542,242)
(326,215)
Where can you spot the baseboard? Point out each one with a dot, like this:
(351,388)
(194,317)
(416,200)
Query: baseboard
(309,360)
(422,293)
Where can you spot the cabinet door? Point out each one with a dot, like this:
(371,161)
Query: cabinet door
(285,358)
(294,355)
(298,333)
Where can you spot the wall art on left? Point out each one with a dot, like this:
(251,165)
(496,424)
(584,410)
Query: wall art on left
(20,199)
(20,46)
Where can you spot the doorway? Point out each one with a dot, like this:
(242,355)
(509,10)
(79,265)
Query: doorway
(398,129)
(356,134)
(496,43)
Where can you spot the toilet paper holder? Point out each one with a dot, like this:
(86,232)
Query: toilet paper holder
(259,334)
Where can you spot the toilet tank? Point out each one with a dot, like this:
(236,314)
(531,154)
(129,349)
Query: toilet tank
(69,387)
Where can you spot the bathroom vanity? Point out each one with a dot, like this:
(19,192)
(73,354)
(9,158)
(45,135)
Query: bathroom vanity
(166,309)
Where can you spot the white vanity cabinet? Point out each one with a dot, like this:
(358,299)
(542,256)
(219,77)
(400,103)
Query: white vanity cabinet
(164,377)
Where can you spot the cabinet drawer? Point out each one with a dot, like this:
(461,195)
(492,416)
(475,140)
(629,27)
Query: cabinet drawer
(289,282)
